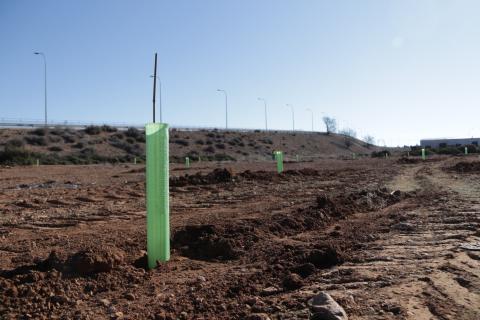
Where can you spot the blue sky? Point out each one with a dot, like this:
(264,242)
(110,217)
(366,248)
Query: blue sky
(400,70)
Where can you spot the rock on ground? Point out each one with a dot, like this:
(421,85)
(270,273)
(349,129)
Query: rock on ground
(325,308)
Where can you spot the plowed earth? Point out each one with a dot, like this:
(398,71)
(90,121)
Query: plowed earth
(388,240)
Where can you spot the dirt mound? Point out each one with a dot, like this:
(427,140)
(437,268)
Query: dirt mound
(259,175)
(213,177)
(84,263)
(208,242)
(231,241)
(274,176)
(465,167)
(323,257)
(328,207)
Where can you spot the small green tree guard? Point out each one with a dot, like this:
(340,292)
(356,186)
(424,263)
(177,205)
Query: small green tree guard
(279,158)
(466,150)
(157,176)
(135,160)
(423,154)
(187,162)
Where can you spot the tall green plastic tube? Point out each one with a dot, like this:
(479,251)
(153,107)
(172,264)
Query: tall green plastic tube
(187,162)
(158,215)
(279,158)
(423,154)
(466,150)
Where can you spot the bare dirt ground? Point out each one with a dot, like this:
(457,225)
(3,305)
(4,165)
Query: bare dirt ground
(388,239)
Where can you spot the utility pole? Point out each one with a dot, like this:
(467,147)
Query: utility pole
(308,109)
(265,104)
(159,96)
(226,107)
(154,85)
(293,116)
(45,83)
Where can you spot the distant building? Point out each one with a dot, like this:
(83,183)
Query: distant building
(442,143)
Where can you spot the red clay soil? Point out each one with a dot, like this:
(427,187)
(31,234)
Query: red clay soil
(247,243)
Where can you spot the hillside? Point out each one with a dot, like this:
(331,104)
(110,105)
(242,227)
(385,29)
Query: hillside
(106,144)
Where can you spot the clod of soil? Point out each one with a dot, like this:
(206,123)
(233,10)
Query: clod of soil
(292,281)
(91,261)
(323,258)
(304,270)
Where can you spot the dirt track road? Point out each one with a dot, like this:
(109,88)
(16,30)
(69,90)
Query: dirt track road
(251,244)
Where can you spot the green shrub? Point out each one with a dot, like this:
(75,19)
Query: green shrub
(55,148)
(119,135)
(136,134)
(266,140)
(68,138)
(14,143)
(181,142)
(54,139)
(36,140)
(132,149)
(106,128)
(93,130)
(39,132)
(223,157)
(16,155)
(380,154)
(209,149)
(56,131)
(193,155)
(78,145)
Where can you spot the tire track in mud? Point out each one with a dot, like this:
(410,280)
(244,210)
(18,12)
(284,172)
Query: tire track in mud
(429,276)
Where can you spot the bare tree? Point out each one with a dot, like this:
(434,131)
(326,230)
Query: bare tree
(348,132)
(369,140)
(330,124)
(348,135)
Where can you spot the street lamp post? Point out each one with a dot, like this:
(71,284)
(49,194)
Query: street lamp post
(265,104)
(293,116)
(226,107)
(45,65)
(308,109)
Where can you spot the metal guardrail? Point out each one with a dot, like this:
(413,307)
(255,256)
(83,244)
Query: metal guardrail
(36,123)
